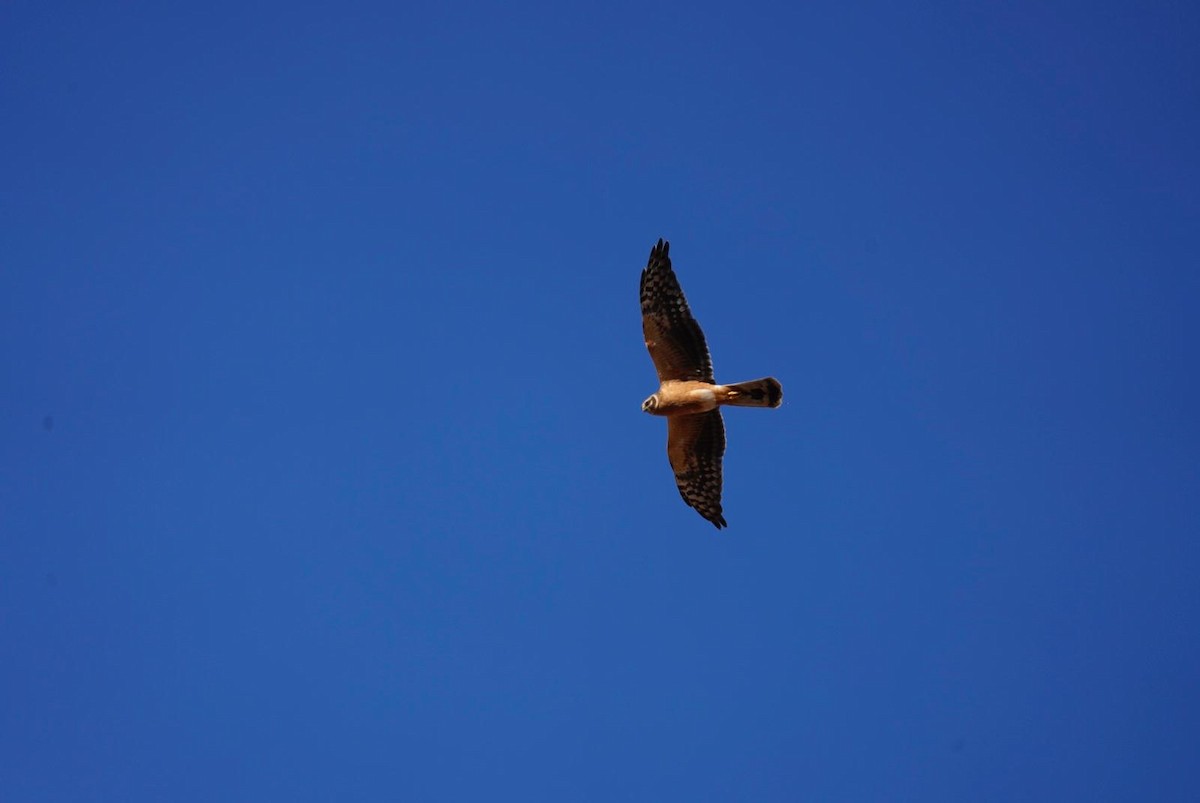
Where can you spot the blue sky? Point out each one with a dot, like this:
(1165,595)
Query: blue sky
(322,470)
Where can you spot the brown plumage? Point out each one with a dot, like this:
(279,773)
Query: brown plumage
(687,393)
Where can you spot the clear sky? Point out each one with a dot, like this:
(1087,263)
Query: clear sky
(322,469)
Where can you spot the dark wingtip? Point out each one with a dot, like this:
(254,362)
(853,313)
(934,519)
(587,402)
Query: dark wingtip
(774,392)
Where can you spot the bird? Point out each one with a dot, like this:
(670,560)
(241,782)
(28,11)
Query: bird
(687,395)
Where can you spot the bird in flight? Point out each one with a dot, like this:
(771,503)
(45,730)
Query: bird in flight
(687,394)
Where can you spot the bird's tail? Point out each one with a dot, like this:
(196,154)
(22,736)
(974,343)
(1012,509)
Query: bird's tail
(757,393)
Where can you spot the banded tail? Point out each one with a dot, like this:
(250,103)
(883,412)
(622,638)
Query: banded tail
(756,393)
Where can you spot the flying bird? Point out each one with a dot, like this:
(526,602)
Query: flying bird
(687,394)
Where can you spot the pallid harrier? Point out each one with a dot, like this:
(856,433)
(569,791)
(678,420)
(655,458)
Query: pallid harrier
(687,394)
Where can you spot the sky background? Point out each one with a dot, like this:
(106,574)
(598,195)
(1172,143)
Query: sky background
(322,469)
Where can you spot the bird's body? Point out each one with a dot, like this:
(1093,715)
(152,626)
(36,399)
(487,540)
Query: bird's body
(687,395)
(683,398)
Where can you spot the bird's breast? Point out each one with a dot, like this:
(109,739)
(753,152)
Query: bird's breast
(686,398)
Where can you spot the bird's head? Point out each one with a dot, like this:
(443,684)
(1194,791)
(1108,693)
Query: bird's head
(650,404)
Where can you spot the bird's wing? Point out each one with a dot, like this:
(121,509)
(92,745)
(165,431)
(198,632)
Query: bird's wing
(673,337)
(695,446)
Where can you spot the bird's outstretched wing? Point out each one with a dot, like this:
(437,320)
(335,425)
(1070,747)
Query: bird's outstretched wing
(673,337)
(695,446)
